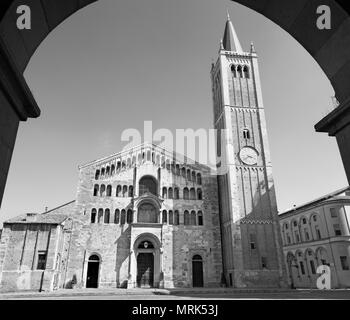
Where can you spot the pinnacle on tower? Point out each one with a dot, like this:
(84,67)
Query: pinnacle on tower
(230,40)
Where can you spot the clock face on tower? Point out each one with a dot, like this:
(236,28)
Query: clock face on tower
(249,156)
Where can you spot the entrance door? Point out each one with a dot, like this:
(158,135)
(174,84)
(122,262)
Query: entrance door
(197,271)
(92,272)
(145,270)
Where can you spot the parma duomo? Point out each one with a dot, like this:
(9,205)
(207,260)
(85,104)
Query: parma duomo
(146,218)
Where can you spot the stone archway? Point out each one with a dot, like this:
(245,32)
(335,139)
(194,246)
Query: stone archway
(145,262)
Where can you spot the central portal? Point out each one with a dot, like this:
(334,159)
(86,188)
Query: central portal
(145,270)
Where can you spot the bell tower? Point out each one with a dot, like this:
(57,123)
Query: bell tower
(252,247)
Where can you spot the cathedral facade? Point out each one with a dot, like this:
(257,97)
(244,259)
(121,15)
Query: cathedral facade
(146,217)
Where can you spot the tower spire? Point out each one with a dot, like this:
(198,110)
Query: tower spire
(230,40)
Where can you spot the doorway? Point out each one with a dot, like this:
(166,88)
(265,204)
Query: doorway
(145,270)
(197,272)
(92,272)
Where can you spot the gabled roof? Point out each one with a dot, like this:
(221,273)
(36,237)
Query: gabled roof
(170,154)
(327,197)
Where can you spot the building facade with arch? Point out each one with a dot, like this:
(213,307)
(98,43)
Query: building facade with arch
(315,234)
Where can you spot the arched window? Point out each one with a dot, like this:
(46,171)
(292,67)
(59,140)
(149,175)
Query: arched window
(133,160)
(240,71)
(96,190)
(246,72)
(178,169)
(108,170)
(102,190)
(170,193)
(246,134)
(200,218)
(183,172)
(100,215)
(130,217)
(131,191)
(234,72)
(109,190)
(107,216)
(193,194)
(119,191)
(123,165)
(112,169)
(186,218)
(171,217)
(118,165)
(199,194)
(122,217)
(186,195)
(164,217)
(148,184)
(189,174)
(176,193)
(199,178)
(129,162)
(193,221)
(168,164)
(177,218)
(116,216)
(93,215)
(165,193)
(193,176)
(97,175)
(125,191)
(103,172)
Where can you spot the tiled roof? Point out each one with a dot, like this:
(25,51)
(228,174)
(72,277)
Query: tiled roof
(38,218)
(317,201)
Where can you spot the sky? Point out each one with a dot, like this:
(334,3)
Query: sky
(115,64)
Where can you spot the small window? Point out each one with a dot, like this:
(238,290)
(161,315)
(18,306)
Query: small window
(337,230)
(334,213)
(107,216)
(246,72)
(252,242)
(307,237)
(304,221)
(314,218)
(246,134)
(312,266)
(264,262)
(200,218)
(344,263)
(42,260)
(165,217)
(318,233)
(93,215)
(297,238)
(295,224)
(130,217)
(302,268)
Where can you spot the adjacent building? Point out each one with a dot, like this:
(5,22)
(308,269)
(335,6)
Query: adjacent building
(318,233)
